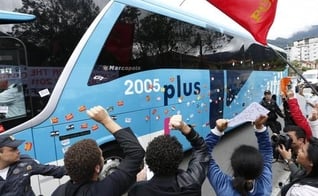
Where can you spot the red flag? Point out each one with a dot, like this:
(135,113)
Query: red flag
(256,16)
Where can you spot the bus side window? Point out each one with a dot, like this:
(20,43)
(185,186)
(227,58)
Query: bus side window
(13,100)
(116,54)
(141,40)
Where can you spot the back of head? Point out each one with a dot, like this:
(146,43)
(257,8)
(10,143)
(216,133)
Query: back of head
(163,155)
(80,160)
(247,164)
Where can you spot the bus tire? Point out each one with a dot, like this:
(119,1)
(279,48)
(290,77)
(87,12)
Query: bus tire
(112,158)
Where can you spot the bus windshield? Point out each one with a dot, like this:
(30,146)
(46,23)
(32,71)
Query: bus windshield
(13,62)
(31,59)
(12,100)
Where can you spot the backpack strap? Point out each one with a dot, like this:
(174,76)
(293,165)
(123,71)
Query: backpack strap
(309,181)
(303,181)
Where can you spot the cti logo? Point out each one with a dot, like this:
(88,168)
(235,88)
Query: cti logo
(180,89)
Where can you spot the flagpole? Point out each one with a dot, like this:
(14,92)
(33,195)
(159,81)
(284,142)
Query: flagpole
(182,2)
(296,71)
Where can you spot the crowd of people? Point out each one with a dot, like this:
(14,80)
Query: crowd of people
(251,166)
(299,150)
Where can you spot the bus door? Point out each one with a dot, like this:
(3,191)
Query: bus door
(44,149)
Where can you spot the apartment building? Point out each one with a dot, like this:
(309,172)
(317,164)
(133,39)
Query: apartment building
(304,51)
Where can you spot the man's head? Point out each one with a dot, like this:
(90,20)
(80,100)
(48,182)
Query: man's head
(267,94)
(84,161)
(297,135)
(163,155)
(307,156)
(9,152)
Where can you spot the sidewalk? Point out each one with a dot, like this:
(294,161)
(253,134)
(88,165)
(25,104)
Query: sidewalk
(280,177)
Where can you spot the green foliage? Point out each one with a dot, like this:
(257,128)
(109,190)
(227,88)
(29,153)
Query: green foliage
(58,26)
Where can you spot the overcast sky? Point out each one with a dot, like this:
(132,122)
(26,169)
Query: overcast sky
(293,16)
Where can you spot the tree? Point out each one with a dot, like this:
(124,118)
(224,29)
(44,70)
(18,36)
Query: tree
(58,27)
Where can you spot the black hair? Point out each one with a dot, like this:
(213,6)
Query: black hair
(247,164)
(299,132)
(312,155)
(163,155)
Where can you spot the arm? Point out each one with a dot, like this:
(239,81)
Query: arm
(200,158)
(8,96)
(217,178)
(99,114)
(298,117)
(265,148)
(314,127)
(295,171)
(125,176)
(278,111)
(264,144)
(51,170)
(314,115)
(42,169)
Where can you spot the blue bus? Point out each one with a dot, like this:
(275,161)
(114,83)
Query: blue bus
(143,60)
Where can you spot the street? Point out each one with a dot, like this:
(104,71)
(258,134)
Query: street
(223,151)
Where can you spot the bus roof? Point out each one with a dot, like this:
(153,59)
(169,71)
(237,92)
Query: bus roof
(7,17)
(205,12)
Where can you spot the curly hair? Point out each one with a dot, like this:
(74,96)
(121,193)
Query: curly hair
(163,155)
(81,158)
(247,164)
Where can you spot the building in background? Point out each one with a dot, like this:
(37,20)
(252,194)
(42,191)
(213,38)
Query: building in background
(305,52)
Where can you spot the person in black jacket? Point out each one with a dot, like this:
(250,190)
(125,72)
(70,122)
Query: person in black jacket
(163,156)
(84,162)
(16,170)
(269,103)
(288,118)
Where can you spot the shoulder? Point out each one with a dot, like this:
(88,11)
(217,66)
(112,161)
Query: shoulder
(139,187)
(273,102)
(26,158)
(60,191)
(302,190)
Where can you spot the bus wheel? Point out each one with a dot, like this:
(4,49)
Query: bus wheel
(112,160)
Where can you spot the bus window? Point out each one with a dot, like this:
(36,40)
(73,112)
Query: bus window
(13,60)
(142,40)
(48,45)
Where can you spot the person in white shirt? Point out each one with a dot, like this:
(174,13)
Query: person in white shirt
(313,121)
(12,101)
(301,99)
(310,102)
(306,184)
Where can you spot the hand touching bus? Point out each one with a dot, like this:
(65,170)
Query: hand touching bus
(99,114)
(84,162)
(177,123)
